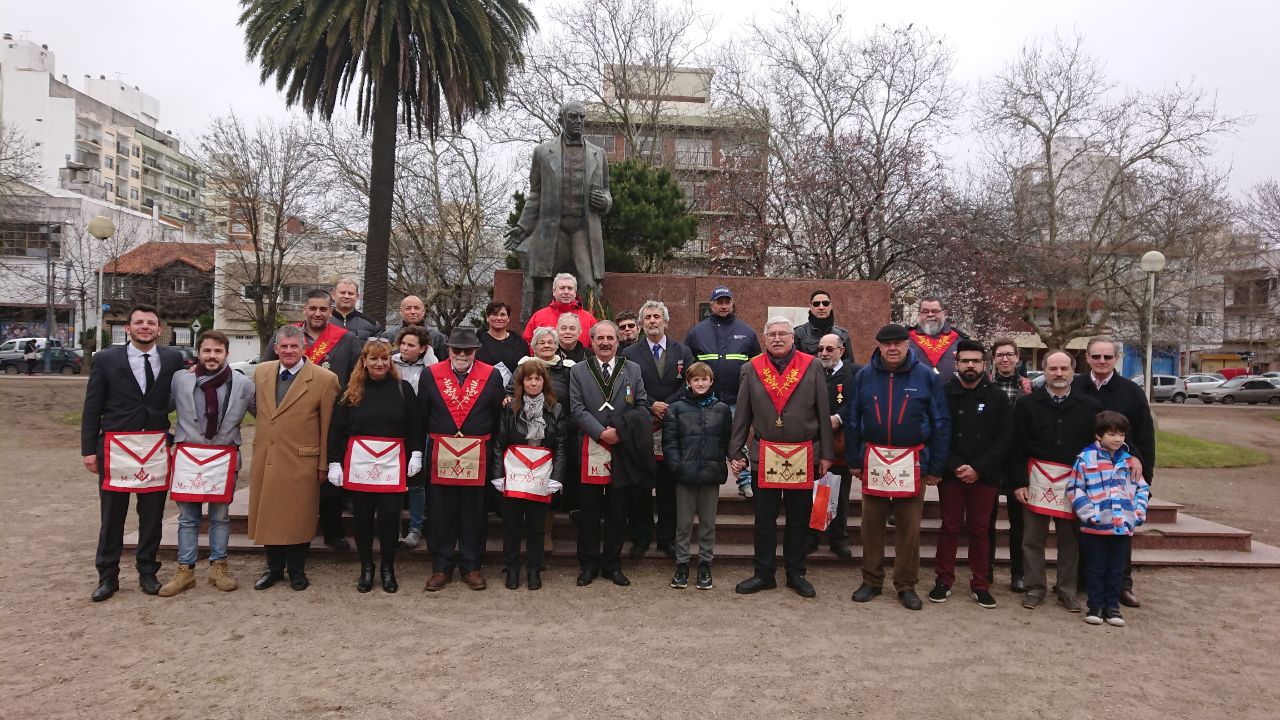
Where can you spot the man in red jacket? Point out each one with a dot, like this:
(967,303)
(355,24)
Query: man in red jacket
(564,299)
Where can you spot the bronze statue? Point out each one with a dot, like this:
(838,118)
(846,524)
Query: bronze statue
(559,229)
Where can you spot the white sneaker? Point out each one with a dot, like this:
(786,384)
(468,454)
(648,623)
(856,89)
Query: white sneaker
(412,538)
(1113,617)
(745,491)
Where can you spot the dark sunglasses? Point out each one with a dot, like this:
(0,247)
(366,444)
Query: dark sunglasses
(821,303)
(1102,357)
(627,326)
(462,351)
(377,340)
(828,348)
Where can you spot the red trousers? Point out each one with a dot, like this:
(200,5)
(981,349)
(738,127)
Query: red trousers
(966,506)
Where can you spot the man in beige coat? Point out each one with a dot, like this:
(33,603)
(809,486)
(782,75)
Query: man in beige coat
(295,402)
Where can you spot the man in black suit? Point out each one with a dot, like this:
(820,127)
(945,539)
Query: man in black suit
(839,375)
(662,363)
(128,391)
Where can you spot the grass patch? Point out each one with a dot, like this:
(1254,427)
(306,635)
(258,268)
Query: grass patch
(1174,450)
(71,418)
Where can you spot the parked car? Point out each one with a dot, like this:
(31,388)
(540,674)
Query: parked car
(1272,374)
(1248,389)
(189,356)
(245,367)
(13,348)
(65,362)
(1192,385)
(1163,386)
(1036,377)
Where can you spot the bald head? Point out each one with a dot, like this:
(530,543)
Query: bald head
(830,350)
(1059,369)
(412,311)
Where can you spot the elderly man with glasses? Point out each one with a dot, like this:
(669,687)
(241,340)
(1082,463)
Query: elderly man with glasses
(933,338)
(839,375)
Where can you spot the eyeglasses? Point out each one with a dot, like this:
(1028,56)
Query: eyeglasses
(828,348)
(969,361)
(627,326)
(930,312)
(462,351)
(377,340)
(1102,357)
(821,303)
(775,335)
(1007,355)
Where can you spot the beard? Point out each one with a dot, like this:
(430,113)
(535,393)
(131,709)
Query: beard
(931,327)
(970,376)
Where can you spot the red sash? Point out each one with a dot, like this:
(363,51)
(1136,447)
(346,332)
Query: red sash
(934,347)
(779,387)
(460,400)
(320,348)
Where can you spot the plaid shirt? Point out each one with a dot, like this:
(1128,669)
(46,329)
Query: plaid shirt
(1012,385)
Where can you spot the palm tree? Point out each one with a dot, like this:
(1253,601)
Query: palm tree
(423,61)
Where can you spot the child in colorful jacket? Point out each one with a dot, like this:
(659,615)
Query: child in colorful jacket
(1109,495)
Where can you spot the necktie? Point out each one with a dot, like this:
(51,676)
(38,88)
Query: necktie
(148,375)
(604,370)
(829,371)
(657,353)
(285,375)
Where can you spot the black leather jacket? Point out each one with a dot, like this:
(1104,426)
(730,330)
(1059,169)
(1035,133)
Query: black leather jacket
(512,430)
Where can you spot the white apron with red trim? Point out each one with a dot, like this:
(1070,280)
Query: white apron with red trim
(1047,488)
(785,466)
(527,470)
(458,460)
(135,462)
(203,473)
(375,464)
(891,472)
(597,462)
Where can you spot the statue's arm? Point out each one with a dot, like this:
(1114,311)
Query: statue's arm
(533,201)
(602,196)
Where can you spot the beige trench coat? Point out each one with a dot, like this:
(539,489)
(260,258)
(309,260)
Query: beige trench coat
(289,454)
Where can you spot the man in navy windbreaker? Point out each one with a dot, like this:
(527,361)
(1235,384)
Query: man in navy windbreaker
(898,414)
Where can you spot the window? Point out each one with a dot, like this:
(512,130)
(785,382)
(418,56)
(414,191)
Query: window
(181,335)
(253,292)
(134,173)
(693,151)
(239,228)
(647,148)
(111,162)
(604,142)
(118,336)
(30,239)
(137,151)
(295,293)
(182,284)
(133,193)
(117,286)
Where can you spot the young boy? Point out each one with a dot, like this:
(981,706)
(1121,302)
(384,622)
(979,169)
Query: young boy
(1109,495)
(695,445)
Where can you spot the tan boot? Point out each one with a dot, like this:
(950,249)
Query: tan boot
(185,579)
(220,576)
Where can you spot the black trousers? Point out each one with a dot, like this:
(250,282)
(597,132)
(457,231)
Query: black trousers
(838,531)
(455,527)
(291,557)
(608,504)
(114,508)
(332,500)
(364,506)
(796,537)
(1014,509)
(523,519)
(661,501)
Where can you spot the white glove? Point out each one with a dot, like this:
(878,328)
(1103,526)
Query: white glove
(335,474)
(554,486)
(499,484)
(415,462)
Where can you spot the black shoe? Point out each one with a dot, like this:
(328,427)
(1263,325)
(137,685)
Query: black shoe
(105,590)
(149,584)
(339,544)
(513,578)
(803,587)
(841,549)
(638,550)
(616,577)
(586,576)
(669,550)
(535,579)
(755,584)
(984,598)
(389,584)
(365,582)
(910,600)
(1017,584)
(939,593)
(865,592)
(704,576)
(267,579)
(299,581)
(680,580)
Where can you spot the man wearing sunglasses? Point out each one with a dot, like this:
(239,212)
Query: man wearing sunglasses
(933,339)
(822,320)
(628,329)
(1116,392)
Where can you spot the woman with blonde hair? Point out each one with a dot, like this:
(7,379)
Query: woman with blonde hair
(377,431)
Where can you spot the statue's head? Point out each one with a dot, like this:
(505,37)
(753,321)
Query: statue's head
(572,116)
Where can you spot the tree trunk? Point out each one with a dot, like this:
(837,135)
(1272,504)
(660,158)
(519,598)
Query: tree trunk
(381,189)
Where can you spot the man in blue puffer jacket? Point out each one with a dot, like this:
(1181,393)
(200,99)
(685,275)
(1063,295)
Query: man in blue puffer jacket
(897,430)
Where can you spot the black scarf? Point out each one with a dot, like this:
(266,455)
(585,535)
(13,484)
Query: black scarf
(210,383)
(823,326)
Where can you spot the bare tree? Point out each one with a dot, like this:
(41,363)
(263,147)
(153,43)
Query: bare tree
(1074,163)
(267,189)
(1261,212)
(18,167)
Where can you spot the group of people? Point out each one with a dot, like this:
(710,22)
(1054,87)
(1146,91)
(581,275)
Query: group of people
(631,433)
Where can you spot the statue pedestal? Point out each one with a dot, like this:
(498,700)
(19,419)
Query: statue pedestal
(862,307)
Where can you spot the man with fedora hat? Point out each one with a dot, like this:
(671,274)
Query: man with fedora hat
(462,399)
(897,431)
(726,344)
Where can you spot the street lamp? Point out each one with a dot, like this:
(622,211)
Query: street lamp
(1152,263)
(102,228)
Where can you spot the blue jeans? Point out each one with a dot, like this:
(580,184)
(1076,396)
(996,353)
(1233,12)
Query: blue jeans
(189,531)
(744,477)
(417,506)
(1104,560)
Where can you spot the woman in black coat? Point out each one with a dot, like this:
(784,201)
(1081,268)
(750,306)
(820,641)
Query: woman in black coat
(534,418)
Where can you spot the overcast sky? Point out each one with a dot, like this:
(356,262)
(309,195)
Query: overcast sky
(189,54)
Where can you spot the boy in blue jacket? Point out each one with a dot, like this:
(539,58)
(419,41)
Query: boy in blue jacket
(1109,495)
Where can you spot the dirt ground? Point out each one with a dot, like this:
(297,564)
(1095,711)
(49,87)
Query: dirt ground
(1202,646)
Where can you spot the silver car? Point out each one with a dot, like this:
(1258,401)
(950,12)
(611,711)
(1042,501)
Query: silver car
(1163,386)
(1248,389)
(1192,385)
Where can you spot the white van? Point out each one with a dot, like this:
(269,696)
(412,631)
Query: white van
(17,345)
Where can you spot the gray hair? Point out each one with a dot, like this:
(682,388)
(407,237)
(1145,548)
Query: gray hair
(779,320)
(599,324)
(538,333)
(656,305)
(564,276)
(286,331)
(1100,339)
(569,316)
